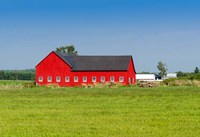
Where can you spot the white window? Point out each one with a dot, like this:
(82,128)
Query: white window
(84,79)
(40,79)
(112,79)
(67,79)
(103,79)
(94,79)
(75,79)
(58,79)
(49,79)
(121,79)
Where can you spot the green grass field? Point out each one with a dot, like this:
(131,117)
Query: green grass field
(100,112)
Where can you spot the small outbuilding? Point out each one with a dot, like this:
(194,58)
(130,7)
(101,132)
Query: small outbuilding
(171,75)
(145,77)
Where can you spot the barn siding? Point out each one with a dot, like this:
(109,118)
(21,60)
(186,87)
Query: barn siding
(131,72)
(54,66)
(98,75)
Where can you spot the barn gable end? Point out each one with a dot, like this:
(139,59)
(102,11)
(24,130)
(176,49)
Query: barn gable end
(52,66)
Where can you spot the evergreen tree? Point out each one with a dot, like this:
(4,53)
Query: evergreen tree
(196,71)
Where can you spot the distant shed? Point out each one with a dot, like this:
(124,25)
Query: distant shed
(145,77)
(171,75)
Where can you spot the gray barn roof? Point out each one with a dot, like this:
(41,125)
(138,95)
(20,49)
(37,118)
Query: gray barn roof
(96,63)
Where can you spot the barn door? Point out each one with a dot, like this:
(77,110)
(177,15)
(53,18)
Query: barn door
(129,80)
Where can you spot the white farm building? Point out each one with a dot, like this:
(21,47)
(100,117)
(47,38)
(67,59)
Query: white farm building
(145,77)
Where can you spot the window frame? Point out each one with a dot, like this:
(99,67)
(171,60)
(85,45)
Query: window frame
(84,79)
(76,79)
(94,79)
(49,79)
(57,79)
(67,79)
(112,77)
(103,79)
(121,79)
(40,78)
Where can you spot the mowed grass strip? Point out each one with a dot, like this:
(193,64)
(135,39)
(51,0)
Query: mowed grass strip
(102,112)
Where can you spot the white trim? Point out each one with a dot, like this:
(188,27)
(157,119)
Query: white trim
(40,78)
(75,79)
(94,79)
(58,79)
(84,79)
(67,79)
(49,79)
(112,79)
(121,79)
(103,78)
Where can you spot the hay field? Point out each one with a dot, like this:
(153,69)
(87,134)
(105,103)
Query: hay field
(100,112)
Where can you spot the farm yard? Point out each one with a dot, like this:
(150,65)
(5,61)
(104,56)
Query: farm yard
(99,112)
(99,68)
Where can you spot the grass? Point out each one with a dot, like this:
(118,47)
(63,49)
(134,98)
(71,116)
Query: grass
(13,84)
(100,112)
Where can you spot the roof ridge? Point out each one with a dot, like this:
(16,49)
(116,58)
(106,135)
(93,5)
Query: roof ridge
(96,62)
(94,55)
(104,55)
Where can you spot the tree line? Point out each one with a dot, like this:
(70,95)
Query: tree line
(189,75)
(28,74)
(162,67)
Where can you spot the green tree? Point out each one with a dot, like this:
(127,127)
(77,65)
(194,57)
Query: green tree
(196,71)
(162,67)
(1,74)
(67,49)
(17,74)
(181,74)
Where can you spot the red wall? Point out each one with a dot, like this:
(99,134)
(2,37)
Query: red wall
(131,72)
(54,66)
(98,75)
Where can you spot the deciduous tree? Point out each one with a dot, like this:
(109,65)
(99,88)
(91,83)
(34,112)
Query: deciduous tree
(67,49)
(162,67)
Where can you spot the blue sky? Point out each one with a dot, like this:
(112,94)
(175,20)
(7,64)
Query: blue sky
(149,30)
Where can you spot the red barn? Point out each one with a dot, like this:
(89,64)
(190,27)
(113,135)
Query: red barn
(66,70)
